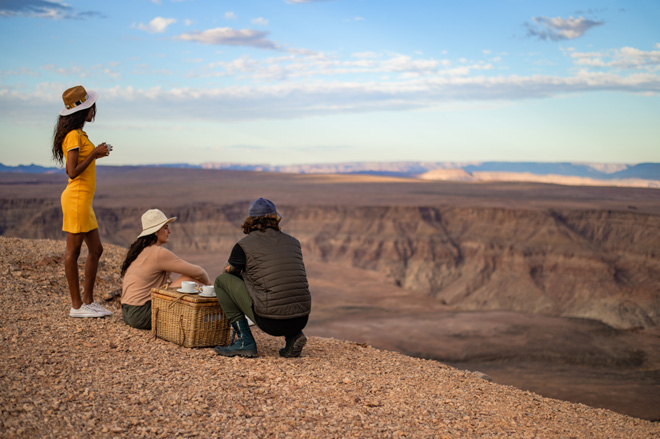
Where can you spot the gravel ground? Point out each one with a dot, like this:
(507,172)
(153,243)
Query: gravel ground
(63,377)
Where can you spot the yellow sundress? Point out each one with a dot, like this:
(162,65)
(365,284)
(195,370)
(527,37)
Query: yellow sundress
(77,197)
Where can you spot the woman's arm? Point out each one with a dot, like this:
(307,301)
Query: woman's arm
(74,169)
(168,261)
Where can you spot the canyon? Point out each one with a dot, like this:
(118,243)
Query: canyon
(504,277)
(492,251)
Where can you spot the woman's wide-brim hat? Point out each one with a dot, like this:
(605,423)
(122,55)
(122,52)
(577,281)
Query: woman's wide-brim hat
(152,221)
(76,99)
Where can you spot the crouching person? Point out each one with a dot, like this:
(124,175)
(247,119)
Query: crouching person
(265,280)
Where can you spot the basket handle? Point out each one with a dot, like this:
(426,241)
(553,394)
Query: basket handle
(183,332)
(155,325)
(175,301)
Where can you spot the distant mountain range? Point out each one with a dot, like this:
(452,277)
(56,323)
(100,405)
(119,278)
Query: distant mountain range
(463,171)
(29,169)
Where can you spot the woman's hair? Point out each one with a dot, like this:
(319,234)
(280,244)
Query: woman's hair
(136,248)
(261,223)
(66,124)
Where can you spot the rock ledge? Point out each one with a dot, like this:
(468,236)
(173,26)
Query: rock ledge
(63,377)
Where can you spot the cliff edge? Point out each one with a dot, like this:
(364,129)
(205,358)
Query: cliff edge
(78,377)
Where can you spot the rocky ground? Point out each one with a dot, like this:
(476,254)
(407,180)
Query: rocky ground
(63,377)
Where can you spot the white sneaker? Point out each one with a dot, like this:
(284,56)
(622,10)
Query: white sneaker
(100,309)
(85,311)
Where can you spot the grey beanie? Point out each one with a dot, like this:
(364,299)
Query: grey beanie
(262,207)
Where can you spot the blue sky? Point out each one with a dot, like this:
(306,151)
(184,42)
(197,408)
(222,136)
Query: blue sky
(294,81)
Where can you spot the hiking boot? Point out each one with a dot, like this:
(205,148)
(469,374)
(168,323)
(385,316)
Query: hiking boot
(242,344)
(294,346)
(85,311)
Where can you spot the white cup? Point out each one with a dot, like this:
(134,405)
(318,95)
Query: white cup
(208,290)
(189,286)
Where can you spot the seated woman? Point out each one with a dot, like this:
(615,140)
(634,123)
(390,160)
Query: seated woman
(266,281)
(148,265)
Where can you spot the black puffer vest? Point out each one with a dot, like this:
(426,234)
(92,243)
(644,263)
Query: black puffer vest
(275,275)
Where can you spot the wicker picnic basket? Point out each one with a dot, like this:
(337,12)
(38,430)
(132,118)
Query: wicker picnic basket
(188,320)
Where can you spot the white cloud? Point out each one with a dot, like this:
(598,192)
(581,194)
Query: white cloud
(230,37)
(111,73)
(294,99)
(291,66)
(303,52)
(260,21)
(54,10)
(403,63)
(156,26)
(110,69)
(291,99)
(241,65)
(291,85)
(65,71)
(558,28)
(23,71)
(34,8)
(365,55)
(626,58)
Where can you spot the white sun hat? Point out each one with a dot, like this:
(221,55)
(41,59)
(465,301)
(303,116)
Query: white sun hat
(76,99)
(152,221)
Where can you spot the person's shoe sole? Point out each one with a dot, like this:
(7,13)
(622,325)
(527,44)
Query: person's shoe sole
(91,314)
(296,347)
(248,353)
(86,316)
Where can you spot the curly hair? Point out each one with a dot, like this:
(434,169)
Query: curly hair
(136,248)
(261,223)
(66,124)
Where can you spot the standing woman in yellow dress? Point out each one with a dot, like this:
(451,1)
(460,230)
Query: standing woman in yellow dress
(71,145)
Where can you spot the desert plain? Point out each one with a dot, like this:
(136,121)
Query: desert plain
(550,288)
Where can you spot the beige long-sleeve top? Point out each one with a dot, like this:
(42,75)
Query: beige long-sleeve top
(151,269)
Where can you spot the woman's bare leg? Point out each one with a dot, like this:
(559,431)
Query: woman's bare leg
(73,243)
(95,250)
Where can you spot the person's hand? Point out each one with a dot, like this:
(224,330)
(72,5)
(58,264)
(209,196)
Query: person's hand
(103,150)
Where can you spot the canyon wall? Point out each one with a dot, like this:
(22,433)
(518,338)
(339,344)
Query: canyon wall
(597,264)
(594,264)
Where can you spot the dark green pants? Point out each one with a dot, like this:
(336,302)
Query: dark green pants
(137,316)
(234,297)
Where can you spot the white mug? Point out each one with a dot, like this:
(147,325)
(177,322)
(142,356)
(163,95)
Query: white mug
(189,286)
(208,290)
